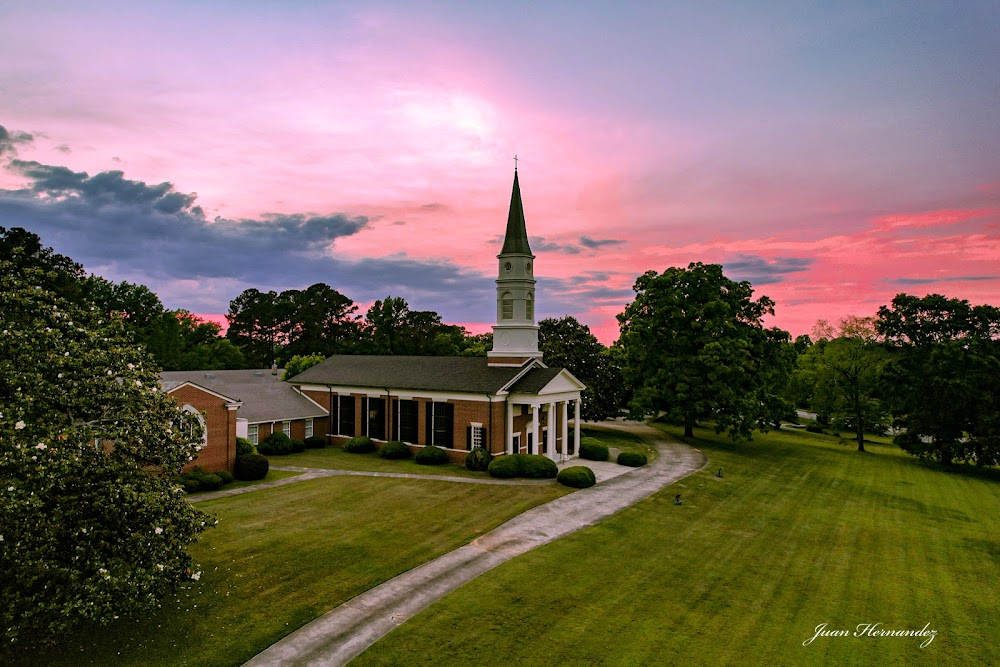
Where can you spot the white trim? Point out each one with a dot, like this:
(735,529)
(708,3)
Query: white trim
(408,394)
(229,399)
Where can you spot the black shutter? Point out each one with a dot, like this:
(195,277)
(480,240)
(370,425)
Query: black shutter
(468,437)
(482,439)
(429,424)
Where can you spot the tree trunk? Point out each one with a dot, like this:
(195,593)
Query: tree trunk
(859,423)
(689,426)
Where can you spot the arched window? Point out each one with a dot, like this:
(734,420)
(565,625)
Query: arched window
(529,307)
(204,427)
(507,306)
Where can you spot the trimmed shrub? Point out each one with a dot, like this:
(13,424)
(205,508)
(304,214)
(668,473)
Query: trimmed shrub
(814,428)
(504,467)
(189,485)
(225,476)
(251,467)
(361,444)
(478,459)
(536,466)
(431,455)
(276,444)
(298,446)
(208,481)
(632,459)
(593,449)
(578,477)
(315,442)
(395,449)
(244,446)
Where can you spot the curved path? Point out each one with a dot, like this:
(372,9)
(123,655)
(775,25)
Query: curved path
(343,633)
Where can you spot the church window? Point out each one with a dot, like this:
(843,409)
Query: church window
(286,428)
(440,424)
(252,433)
(529,307)
(345,416)
(375,416)
(309,428)
(405,420)
(507,306)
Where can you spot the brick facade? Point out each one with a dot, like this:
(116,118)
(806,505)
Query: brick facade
(220,425)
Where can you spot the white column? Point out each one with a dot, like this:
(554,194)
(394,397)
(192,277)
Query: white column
(551,421)
(564,427)
(509,445)
(534,426)
(576,425)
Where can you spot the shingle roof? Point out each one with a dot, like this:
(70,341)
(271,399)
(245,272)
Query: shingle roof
(457,374)
(265,397)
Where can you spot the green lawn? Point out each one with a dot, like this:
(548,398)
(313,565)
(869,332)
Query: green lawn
(280,557)
(800,531)
(335,458)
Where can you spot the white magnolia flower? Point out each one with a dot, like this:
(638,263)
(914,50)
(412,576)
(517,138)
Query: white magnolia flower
(196,576)
(19,425)
(66,354)
(158,530)
(138,383)
(159,566)
(41,445)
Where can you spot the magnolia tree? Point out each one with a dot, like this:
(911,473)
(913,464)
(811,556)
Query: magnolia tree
(91,527)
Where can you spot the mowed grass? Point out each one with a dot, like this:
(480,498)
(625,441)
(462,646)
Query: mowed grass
(281,557)
(798,532)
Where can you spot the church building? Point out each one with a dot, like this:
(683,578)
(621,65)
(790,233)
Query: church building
(507,402)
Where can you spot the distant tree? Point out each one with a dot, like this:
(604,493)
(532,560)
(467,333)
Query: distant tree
(392,328)
(258,325)
(943,377)
(384,321)
(566,343)
(694,345)
(22,250)
(299,363)
(476,345)
(841,376)
(802,343)
(321,320)
(91,526)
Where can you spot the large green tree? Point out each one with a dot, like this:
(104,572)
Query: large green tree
(91,527)
(258,325)
(566,343)
(840,376)
(943,377)
(392,328)
(694,345)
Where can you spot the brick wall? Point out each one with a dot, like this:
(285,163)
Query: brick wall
(220,425)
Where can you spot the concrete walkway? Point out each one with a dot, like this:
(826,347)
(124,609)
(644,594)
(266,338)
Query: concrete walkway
(343,633)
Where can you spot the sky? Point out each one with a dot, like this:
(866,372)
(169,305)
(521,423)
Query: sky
(832,154)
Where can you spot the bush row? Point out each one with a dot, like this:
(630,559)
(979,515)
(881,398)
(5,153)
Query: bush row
(532,466)
(199,480)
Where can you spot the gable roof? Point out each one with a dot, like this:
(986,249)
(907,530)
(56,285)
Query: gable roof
(469,375)
(265,397)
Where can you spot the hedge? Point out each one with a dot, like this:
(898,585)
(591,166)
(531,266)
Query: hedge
(298,446)
(315,442)
(276,444)
(478,459)
(360,444)
(244,446)
(578,477)
(395,450)
(431,455)
(593,449)
(632,459)
(532,466)
(251,467)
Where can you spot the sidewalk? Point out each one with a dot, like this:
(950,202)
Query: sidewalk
(340,635)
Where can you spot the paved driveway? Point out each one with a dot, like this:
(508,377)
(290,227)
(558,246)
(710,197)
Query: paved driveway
(343,633)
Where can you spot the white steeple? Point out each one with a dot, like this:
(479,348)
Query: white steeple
(515,335)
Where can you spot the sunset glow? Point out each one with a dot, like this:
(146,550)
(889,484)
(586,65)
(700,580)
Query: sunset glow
(833,156)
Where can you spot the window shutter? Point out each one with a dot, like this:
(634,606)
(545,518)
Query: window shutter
(482,438)
(429,424)
(468,437)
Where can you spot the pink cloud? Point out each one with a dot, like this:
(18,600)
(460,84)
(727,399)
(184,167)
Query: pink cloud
(931,218)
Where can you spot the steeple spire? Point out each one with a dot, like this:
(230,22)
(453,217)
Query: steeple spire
(515,335)
(516,239)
